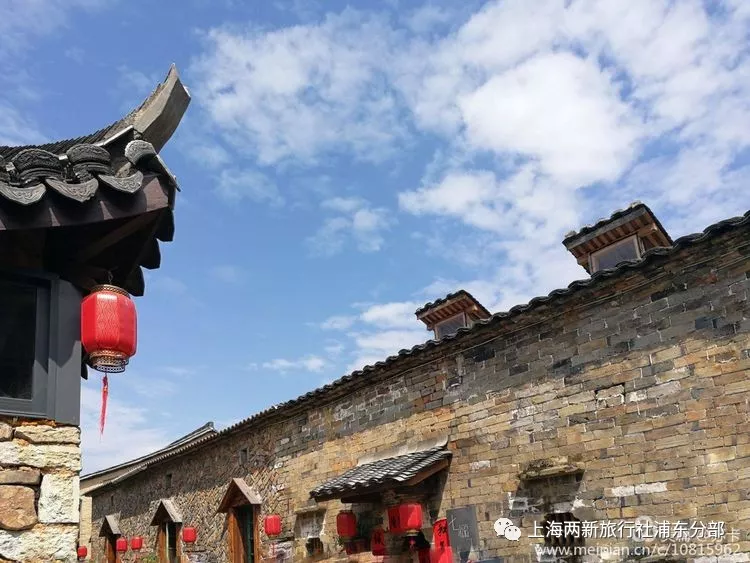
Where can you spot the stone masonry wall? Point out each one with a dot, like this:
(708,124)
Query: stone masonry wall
(39,467)
(642,379)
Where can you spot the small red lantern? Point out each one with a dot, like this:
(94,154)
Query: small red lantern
(411,518)
(377,542)
(394,520)
(272,525)
(82,552)
(189,534)
(346,524)
(108,328)
(136,543)
(121,545)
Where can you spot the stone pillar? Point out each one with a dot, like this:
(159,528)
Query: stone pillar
(39,468)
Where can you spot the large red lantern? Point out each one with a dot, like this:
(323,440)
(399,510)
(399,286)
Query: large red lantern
(377,542)
(108,328)
(189,534)
(136,543)
(121,545)
(410,518)
(394,520)
(82,552)
(108,334)
(272,525)
(346,525)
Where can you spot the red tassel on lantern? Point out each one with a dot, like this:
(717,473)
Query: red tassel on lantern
(82,552)
(424,555)
(346,524)
(108,334)
(121,545)
(189,534)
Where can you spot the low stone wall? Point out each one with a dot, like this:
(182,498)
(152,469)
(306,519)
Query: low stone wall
(39,467)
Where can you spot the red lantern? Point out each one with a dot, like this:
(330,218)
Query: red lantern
(272,525)
(136,543)
(189,534)
(346,524)
(394,520)
(410,515)
(121,545)
(82,552)
(108,328)
(377,542)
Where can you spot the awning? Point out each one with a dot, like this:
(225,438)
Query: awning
(238,493)
(166,511)
(110,526)
(382,474)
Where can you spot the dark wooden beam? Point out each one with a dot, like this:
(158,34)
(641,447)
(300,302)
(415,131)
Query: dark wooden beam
(52,211)
(115,236)
(422,475)
(148,239)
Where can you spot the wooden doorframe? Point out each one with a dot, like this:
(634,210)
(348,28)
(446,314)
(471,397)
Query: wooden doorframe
(110,548)
(236,534)
(161,541)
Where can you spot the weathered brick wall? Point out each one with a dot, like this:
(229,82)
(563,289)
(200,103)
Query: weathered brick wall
(642,379)
(39,466)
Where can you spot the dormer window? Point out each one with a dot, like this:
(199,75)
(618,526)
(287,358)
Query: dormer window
(626,235)
(450,326)
(621,251)
(451,313)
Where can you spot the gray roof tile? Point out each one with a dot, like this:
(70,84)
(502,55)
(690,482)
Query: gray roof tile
(388,471)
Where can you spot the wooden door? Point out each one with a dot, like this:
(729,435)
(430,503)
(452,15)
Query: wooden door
(242,535)
(167,544)
(110,551)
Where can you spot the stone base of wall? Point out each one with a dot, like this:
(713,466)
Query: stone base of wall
(39,466)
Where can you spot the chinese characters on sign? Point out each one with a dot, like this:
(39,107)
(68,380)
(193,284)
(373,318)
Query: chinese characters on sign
(637,530)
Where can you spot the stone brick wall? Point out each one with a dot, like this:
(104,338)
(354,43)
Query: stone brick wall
(640,379)
(39,466)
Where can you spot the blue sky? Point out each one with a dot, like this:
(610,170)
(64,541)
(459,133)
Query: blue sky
(343,163)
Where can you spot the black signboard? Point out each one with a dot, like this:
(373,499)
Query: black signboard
(462,529)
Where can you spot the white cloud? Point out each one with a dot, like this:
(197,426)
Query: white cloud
(301,92)
(338,322)
(228,273)
(235,185)
(15,129)
(358,220)
(395,315)
(308,363)
(129,432)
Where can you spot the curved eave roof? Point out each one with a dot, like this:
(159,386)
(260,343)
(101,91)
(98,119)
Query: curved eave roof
(635,206)
(314,397)
(155,119)
(449,297)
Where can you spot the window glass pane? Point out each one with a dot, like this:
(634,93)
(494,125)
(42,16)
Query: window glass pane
(450,326)
(17,339)
(610,257)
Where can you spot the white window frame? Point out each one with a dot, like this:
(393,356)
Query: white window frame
(633,239)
